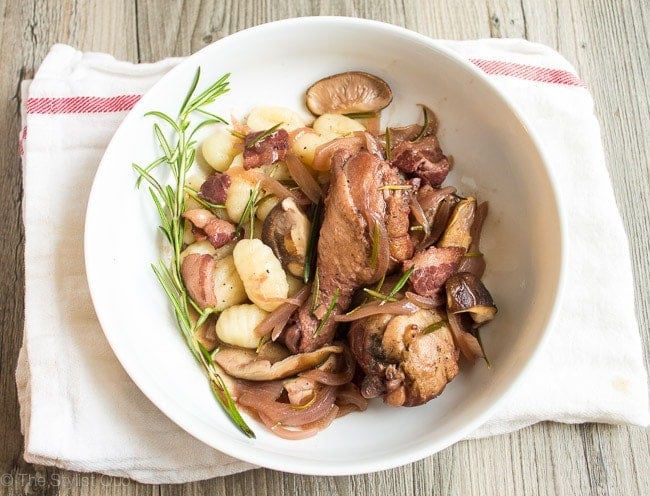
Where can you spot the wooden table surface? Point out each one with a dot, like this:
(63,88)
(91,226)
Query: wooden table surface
(608,41)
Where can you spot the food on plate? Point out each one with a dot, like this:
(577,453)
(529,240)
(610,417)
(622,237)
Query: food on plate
(320,263)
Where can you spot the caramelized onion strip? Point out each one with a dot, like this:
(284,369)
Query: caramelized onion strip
(303,178)
(289,415)
(281,315)
(401,307)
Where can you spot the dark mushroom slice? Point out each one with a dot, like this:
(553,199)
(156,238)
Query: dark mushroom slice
(286,230)
(466,293)
(459,228)
(243,363)
(352,92)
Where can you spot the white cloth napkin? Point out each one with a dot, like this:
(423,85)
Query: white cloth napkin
(79,409)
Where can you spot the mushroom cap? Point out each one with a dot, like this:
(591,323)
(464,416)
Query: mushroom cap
(348,92)
(467,293)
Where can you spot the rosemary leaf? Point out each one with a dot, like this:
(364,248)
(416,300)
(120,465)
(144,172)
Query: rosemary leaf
(330,309)
(314,291)
(311,242)
(263,135)
(434,327)
(379,295)
(480,343)
(400,284)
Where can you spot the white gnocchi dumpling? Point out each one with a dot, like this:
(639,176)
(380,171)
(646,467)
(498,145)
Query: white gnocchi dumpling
(261,272)
(219,149)
(304,146)
(228,286)
(200,248)
(238,196)
(263,118)
(336,124)
(236,325)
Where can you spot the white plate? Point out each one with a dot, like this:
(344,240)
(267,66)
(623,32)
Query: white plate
(496,157)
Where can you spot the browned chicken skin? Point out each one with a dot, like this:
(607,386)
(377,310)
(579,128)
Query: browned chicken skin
(408,359)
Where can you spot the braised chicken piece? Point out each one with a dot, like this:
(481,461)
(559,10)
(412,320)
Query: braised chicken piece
(407,359)
(356,212)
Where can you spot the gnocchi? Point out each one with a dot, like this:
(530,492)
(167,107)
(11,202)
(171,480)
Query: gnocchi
(219,149)
(336,125)
(237,197)
(228,286)
(264,278)
(263,118)
(236,325)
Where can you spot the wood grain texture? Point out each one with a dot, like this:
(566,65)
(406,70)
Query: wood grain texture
(607,41)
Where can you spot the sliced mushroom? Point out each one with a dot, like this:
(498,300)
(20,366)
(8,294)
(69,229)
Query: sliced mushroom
(286,230)
(348,92)
(466,293)
(246,364)
(458,230)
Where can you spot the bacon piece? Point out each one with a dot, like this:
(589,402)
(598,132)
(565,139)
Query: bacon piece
(215,188)
(422,158)
(267,150)
(433,267)
(208,226)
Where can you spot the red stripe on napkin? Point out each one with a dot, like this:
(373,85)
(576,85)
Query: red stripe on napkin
(528,72)
(81,104)
(121,103)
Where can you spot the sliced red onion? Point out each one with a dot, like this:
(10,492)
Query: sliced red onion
(466,342)
(401,307)
(337,378)
(424,302)
(280,316)
(303,178)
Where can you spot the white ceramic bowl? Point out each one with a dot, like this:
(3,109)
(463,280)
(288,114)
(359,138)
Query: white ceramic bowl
(497,157)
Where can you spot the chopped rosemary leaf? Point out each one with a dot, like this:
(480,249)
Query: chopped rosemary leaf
(330,309)
(416,228)
(395,187)
(248,215)
(311,242)
(237,134)
(263,135)
(361,115)
(378,295)
(471,254)
(400,284)
(192,193)
(435,326)
(424,126)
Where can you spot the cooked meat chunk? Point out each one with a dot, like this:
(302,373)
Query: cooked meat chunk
(433,267)
(422,158)
(215,188)
(206,225)
(353,205)
(264,150)
(407,359)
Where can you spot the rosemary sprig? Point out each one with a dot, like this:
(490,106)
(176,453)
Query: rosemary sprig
(169,199)
(330,309)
